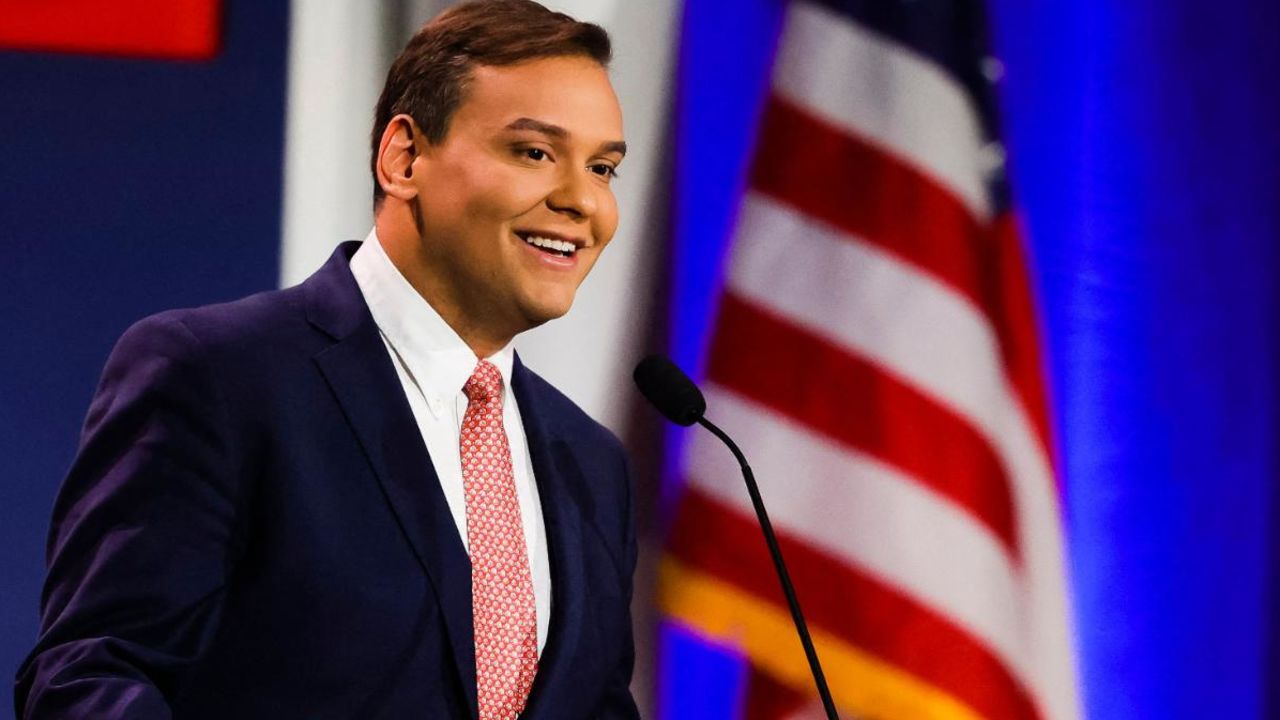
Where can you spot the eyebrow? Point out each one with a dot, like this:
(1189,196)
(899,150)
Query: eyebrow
(555,131)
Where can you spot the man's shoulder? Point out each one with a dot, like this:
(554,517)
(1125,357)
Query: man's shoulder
(265,322)
(260,321)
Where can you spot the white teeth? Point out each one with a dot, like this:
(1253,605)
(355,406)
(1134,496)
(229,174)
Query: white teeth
(550,244)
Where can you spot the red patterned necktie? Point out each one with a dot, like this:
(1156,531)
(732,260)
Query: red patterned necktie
(503,611)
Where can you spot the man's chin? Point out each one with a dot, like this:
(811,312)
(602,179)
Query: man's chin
(546,310)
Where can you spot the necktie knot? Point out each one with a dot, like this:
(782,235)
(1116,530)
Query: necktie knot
(485,383)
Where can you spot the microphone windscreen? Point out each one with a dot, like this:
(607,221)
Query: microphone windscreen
(670,390)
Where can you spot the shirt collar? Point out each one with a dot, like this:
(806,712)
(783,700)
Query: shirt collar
(439,360)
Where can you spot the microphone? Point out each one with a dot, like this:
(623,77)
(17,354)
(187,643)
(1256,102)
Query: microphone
(670,390)
(676,396)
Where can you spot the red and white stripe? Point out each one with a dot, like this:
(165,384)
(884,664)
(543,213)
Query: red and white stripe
(875,352)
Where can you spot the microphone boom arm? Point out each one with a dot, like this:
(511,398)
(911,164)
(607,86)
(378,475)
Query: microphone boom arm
(783,576)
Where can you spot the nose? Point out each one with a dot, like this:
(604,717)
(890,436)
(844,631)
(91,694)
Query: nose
(574,194)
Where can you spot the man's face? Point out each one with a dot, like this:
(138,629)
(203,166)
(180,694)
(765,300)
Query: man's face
(515,202)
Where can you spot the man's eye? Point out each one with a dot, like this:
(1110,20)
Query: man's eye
(606,171)
(535,153)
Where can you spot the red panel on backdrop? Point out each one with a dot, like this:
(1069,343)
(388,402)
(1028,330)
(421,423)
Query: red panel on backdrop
(186,29)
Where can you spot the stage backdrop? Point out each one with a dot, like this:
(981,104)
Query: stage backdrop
(134,176)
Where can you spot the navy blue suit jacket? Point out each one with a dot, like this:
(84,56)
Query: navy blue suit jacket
(252,528)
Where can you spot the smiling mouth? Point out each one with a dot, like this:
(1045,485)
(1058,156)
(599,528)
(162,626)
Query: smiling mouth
(550,246)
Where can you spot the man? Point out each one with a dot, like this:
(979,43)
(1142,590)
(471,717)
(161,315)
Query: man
(348,499)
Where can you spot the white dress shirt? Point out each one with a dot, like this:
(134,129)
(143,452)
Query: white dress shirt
(433,364)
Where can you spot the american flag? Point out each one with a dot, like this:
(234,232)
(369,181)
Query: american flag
(876,353)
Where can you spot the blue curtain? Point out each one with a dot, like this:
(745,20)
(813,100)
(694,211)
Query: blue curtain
(127,187)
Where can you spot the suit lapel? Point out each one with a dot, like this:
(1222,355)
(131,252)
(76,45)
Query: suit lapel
(552,464)
(362,378)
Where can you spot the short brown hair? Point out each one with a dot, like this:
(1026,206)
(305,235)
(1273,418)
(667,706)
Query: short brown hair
(428,80)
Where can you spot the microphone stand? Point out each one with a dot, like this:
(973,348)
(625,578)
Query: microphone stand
(772,541)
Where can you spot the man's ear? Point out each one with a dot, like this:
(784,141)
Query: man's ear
(396,154)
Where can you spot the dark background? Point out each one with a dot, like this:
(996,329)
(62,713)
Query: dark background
(127,186)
